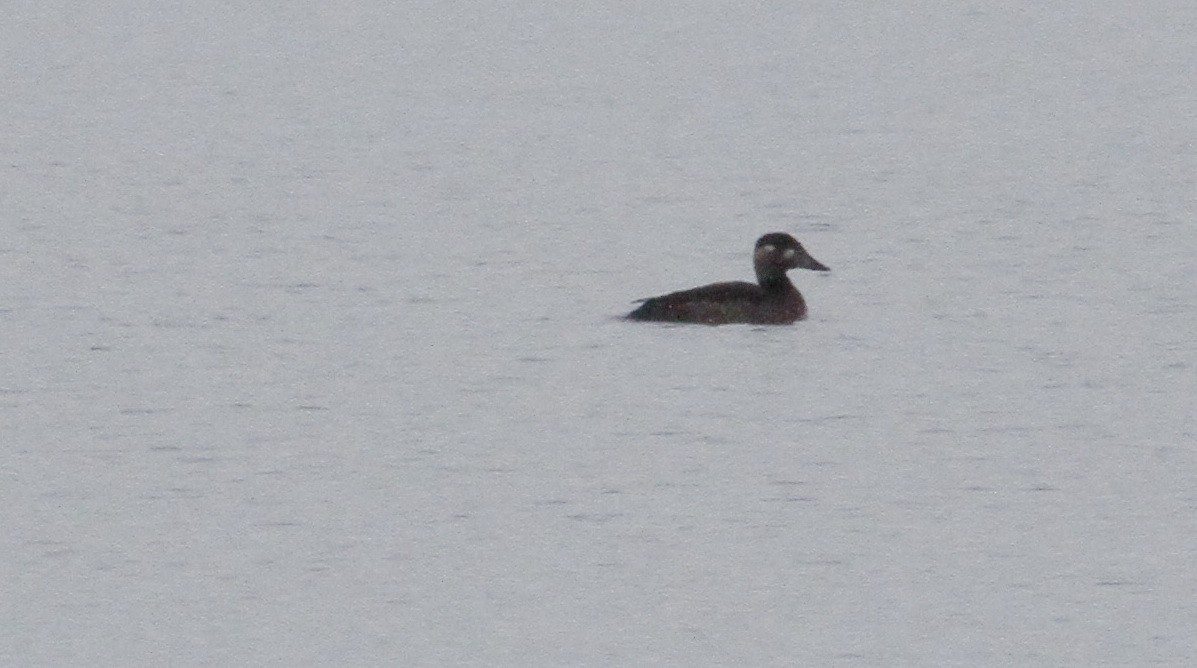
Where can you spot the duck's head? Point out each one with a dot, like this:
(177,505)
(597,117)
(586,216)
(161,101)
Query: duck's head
(782,251)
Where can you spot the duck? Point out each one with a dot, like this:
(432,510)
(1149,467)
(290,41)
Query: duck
(772,300)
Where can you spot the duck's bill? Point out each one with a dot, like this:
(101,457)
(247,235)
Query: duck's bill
(808,262)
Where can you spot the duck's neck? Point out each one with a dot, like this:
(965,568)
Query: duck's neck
(774,280)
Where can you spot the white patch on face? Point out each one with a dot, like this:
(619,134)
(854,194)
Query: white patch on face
(768,248)
(789,254)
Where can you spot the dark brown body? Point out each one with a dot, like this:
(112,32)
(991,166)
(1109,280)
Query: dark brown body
(772,301)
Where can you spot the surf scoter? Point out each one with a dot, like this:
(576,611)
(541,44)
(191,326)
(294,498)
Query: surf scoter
(773,301)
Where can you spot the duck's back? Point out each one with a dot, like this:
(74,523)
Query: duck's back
(724,303)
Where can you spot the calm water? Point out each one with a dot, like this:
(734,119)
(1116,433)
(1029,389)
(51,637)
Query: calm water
(310,349)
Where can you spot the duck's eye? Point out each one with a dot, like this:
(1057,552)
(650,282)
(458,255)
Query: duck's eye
(789,254)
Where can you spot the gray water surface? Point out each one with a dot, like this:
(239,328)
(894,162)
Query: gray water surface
(310,350)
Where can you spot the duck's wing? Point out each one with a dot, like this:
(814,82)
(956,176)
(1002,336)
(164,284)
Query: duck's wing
(707,304)
(715,292)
